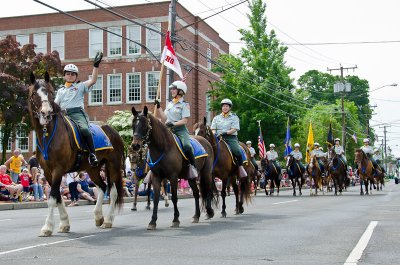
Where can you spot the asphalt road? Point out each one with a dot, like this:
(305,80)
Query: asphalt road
(273,230)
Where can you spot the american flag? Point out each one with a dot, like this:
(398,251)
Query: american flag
(261,145)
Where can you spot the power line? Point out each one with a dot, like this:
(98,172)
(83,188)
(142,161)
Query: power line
(343,43)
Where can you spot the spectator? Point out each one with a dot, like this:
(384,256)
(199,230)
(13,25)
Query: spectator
(72,182)
(14,164)
(45,185)
(6,182)
(142,190)
(104,178)
(36,185)
(25,179)
(84,186)
(64,189)
(33,162)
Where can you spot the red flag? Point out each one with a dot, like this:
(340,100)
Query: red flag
(169,57)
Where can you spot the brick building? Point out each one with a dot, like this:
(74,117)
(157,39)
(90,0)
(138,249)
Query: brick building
(128,75)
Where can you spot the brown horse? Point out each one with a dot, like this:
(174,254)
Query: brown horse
(272,175)
(60,154)
(224,169)
(337,171)
(365,170)
(296,173)
(314,172)
(166,161)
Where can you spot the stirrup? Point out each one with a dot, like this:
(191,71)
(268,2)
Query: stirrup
(93,160)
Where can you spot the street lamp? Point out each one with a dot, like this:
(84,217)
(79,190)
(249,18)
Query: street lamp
(394,84)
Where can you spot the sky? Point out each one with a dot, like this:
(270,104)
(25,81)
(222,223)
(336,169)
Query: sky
(305,22)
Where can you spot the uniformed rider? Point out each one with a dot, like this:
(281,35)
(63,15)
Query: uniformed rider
(340,152)
(227,125)
(252,154)
(296,153)
(70,98)
(272,156)
(377,157)
(319,154)
(369,151)
(176,116)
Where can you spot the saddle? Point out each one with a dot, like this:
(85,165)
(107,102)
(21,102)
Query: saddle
(242,151)
(198,149)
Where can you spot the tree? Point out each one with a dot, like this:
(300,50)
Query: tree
(16,64)
(122,122)
(257,80)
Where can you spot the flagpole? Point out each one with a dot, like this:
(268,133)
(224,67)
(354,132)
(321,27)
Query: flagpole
(159,88)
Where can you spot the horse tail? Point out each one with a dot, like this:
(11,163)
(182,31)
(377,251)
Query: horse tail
(245,187)
(208,189)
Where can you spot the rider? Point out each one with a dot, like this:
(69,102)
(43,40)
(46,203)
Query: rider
(298,156)
(377,157)
(176,116)
(227,125)
(340,152)
(70,98)
(272,155)
(368,150)
(318,153)
(252,154)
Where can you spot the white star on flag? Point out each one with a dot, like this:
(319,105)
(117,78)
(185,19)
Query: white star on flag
(169,57)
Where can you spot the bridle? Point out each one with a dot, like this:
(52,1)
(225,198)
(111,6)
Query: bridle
(36,109)
(146,138)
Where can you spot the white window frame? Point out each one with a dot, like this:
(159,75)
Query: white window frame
(58,43)
(209,59)
(109,76)
(18,139)
(137,38)
(92,52)
(96,87)
(111,38)
(147,85)
(41,47)
(22,39)
(128,87)
(150,33)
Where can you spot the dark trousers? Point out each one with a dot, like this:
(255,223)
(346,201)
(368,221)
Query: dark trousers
(233,143)
(183,135)
(82,121)
(73,190)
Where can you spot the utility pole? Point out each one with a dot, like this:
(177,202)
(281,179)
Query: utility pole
(384,138)
(171,29)
(343,88)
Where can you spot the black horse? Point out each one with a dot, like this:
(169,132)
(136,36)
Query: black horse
(166,161)
(272,175)
(296,173)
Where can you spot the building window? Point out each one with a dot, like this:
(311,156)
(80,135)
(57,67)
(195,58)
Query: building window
(152,79)
(208,58)
(96,92)
(22,39)
(8,144)
(22,140)
(153,39)
(57,43)
(114,42)
(133,33)
(133,88)
(40,39)
(95,42)
(114,89)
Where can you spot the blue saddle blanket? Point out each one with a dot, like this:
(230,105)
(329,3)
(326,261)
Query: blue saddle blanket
(198,149)
(100,138)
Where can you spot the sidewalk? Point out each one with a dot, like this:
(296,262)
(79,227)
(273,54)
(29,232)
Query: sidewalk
(33,205)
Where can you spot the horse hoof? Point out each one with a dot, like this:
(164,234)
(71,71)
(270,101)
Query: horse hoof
(301,193)
(148,207)
(45,233)
(64,229)
(175,224)
(166,204)
(223,214)
(241,210)
(151,227)
(106,225)
(134,209)
(210,214)
(100,221)
(294,194)
(195,220)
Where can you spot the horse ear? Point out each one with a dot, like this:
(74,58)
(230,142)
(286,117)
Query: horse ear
(134,112)
(145,111)
(205,120)
(32,78)
(47,77)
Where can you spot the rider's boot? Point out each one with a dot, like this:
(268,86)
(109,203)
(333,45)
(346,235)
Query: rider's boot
(193,173)
(242,172)
(90,145)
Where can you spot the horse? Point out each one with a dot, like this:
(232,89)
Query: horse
(315,173)
(274,177)
(365,170)
(379,178)
(337,171)
(296,175)
(225,169)
(256,178)
(57,155)
(169,163)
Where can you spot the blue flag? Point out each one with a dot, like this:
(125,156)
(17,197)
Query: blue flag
(288,140)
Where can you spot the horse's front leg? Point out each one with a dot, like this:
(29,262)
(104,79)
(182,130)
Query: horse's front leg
(164,190)
(98,209)
(196,195)
(223,195)
(109,218)
(174,191)
(361,187)
(293,180)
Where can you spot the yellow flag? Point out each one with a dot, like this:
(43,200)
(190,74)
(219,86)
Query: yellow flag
(310,143)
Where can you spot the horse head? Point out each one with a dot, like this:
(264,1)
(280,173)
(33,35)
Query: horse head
(359,156)
(41,99)
(289,160)
(200,128)
(141,126)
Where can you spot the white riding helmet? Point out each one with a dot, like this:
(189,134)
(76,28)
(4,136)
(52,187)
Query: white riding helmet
(71,68)
(376,150)
(272,145)
(321,148)
(316,144)
(248,142)
(337,139)
(226,101)
(366,140)
(179,85)
(296,145)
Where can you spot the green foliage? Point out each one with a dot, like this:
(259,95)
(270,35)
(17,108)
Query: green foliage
(122,122)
